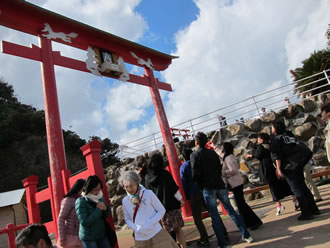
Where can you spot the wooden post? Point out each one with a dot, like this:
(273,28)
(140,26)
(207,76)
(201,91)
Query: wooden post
(30,184)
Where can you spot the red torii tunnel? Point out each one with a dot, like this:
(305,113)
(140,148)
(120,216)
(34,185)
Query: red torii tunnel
(106,56)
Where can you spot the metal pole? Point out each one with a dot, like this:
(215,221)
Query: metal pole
(192,128)
(326,76)
(153,136)
(256,106)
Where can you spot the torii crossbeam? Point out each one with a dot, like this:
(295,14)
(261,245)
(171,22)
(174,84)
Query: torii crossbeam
(106,54)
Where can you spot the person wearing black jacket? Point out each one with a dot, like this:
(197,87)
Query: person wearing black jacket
(290,158)
(206,172)
(279,188)
(161,182)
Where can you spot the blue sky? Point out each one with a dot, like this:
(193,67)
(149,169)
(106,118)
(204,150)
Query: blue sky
(164,19)
(229,51)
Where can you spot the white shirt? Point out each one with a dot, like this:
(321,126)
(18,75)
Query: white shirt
(149,214)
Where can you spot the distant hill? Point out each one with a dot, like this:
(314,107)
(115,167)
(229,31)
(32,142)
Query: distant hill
(23,143)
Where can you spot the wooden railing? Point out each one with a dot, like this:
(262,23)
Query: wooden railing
(264,187)
(10,231)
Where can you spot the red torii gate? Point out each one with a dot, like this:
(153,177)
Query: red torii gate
(112,50)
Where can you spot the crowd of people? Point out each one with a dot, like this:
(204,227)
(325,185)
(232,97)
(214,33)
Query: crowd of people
(152,206)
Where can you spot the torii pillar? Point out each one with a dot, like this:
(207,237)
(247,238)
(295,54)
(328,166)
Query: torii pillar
(49,26)
(57,159)
(167,136)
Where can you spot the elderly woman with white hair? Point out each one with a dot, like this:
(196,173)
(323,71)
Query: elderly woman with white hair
(143,212)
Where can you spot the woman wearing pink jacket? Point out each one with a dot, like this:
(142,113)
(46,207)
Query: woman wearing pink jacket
(68,224)
(232,177)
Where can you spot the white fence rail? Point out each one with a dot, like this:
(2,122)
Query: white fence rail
(249,108)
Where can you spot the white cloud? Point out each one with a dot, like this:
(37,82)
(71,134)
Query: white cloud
(308,36)
(81,95)
(233,50)
(126,103)
(114,16)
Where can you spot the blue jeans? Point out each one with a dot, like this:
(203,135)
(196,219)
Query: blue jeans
(102,243)
(210,197)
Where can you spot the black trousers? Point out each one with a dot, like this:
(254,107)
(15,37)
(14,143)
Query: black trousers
(304,196)
(196,203)
(249,217)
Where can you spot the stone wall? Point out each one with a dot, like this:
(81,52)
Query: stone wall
(302,119)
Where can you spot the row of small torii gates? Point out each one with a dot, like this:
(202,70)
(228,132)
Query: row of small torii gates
(106,56)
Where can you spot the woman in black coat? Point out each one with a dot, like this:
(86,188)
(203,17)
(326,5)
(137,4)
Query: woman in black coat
(279,188)
(161,182)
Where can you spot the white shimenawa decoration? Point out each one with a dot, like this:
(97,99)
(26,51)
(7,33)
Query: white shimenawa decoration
(124,76)
(57,35)
(92,62)
(141,61)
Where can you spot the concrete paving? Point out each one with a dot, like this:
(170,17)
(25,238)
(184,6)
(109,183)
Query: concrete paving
(277,231)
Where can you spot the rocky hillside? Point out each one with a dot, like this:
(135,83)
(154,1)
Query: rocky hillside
(302,119)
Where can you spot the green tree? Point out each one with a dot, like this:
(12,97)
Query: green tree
(327,34)
(317,62)
(109,151)
(7,93)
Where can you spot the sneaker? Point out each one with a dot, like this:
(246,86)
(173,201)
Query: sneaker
(279,210)
(248,240)
(203,243)
(296,205)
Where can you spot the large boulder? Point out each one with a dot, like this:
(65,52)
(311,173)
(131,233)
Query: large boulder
(236,128)
(234,142)
(269,117)
(300,121)
(306,131)
(244,167)
(292,111)
(112,185)
(116,200)
(308,105)
(140,161)
(253,125)
(321,159)
(315,143)
(246,143)
(238,151)
(267,130)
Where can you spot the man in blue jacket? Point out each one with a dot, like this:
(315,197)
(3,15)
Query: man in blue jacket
(194,196)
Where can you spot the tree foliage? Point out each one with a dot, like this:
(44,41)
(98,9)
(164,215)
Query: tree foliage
(319,61)
(23,143)
(109,151)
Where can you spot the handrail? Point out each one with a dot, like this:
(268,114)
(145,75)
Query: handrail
(10,230)
(264,187)
(243,110)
